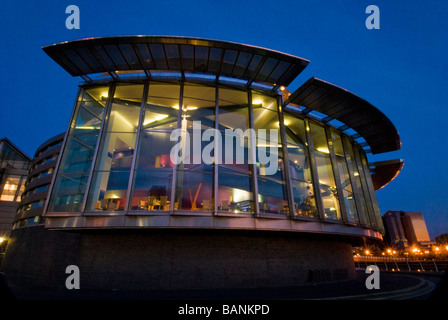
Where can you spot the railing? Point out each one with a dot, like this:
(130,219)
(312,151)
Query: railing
(402,264)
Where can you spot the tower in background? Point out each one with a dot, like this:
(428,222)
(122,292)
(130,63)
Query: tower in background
(405,228)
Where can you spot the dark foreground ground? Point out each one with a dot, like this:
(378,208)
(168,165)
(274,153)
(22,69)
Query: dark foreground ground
(393,286)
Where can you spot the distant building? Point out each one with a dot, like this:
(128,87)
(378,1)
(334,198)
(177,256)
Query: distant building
(14,164)
(405,228)
(29,211)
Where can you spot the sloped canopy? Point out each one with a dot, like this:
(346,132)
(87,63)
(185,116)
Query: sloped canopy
(384,172)
(356,113)
(182,54)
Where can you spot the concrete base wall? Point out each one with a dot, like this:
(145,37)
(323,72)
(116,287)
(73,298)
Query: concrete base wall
(172,259)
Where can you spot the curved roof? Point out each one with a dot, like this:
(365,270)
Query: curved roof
(151,54)
(180,54)
(384,172)
(356,113)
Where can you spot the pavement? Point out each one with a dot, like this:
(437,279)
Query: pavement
(393,286)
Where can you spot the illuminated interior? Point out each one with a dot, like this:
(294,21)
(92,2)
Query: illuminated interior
(117,156)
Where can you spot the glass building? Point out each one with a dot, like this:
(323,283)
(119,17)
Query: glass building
(255,157)
(139,91)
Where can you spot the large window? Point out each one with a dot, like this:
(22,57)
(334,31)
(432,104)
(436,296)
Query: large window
(153,173)
(235,189)
(357,185)
(272,196)
(137,168)
(344,178)
(194,175)
(70,184)
(327,184)
(108,189)
(299,167)
(12,188)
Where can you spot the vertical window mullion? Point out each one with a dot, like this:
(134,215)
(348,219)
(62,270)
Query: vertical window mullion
(252,150)
(287,177)
(217,153)
(175,166)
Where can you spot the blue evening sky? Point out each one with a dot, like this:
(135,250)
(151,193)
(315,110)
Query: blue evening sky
(401,68)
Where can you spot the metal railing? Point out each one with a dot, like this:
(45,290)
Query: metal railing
(399,264)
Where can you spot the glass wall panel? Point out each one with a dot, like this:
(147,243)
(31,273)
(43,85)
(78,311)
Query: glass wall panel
(194,176)
(361,174)
(272,194)
(10,157)
(299,167)
(108,188)
(327,183)
(153,173)
(344,178)
(68,193)
(76,161)
(377,213)
(357,185)
(235,192)
(162,107)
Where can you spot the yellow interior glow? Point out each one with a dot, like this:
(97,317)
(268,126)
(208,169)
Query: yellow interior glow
(155,118)
(323,150)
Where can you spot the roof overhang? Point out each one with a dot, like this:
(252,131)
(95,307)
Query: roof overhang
(356,113)
(177,54)
(383,172)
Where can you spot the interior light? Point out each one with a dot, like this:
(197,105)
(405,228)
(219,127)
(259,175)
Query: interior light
(156,118)
(2,239)
(257,101)
(189,108)
(85,127)
(356,174)
(323,150)
(123,119)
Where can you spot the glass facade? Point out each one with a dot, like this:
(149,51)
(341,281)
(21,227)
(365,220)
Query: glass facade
(181,147)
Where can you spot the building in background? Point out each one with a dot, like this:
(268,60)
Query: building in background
(30,209)
(130,218)
(14,165)
(405,229)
